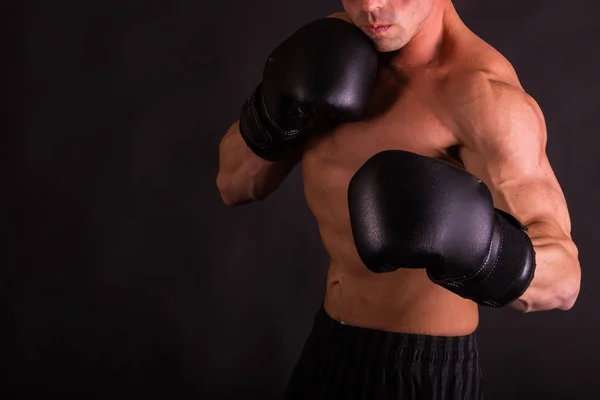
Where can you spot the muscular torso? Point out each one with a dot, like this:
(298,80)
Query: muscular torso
(409,111)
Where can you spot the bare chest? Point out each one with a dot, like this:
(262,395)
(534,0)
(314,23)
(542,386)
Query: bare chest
(407,117)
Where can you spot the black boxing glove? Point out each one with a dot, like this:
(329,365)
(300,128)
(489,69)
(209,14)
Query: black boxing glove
(323,72)
(411,211)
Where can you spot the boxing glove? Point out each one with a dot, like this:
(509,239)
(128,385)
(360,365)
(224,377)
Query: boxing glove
(412,211)
(324,72)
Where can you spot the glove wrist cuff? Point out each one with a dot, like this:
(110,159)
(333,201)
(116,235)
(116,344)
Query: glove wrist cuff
(507,270)
(257,127)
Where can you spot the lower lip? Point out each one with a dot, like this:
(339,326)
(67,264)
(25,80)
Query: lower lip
(378,30)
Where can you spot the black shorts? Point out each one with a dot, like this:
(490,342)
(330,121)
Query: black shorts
(345,362)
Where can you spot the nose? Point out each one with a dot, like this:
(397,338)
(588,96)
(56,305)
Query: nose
(372,5)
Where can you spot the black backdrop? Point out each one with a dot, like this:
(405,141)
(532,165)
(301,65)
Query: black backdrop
(123,270)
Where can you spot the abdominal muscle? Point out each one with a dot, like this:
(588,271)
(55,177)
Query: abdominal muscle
(401,301)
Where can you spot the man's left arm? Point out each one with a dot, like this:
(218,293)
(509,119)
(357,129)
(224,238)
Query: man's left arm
(503,135)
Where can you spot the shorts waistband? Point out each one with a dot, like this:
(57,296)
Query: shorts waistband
(405,345)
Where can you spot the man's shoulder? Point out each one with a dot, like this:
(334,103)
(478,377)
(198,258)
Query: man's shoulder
(480,86)
(477,65)
(486,91)
(482,76)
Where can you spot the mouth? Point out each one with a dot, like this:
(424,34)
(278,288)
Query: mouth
(377,29)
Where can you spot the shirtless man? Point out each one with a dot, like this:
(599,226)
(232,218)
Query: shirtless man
(421,158)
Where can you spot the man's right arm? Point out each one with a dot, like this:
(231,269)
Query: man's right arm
(320,76)
(243,176)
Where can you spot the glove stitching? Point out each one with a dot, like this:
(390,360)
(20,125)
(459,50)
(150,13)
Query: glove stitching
(500,249)
(459,281)
(491,303)
(261,127)
(292,132)
(246,127)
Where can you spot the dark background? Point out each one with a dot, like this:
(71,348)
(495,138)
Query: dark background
(124,271)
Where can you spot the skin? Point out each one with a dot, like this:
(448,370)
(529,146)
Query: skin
(441,92)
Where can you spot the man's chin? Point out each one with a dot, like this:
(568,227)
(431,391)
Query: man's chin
(384,46)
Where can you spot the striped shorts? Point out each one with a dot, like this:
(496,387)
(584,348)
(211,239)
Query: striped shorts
(345,362)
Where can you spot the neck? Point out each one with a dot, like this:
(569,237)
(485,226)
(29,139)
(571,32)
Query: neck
(426,46)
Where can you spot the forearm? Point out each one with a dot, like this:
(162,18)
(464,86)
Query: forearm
(557,276)
(244,177)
